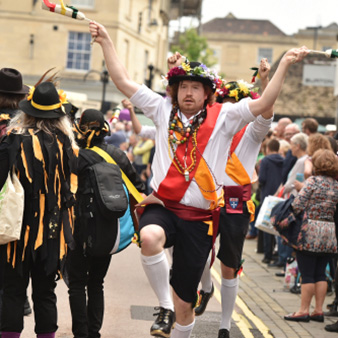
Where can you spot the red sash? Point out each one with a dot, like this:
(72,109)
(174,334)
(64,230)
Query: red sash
(174,185)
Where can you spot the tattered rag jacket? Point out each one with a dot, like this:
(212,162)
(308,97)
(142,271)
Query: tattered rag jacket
(46,166)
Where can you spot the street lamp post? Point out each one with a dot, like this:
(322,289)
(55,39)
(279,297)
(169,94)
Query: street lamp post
(104,78)
(151,22)
(105,81)
(149,81)
(315,35)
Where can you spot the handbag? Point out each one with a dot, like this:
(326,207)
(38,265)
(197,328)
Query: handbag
(11,209)
(263,219)
(291,273)
(286,222)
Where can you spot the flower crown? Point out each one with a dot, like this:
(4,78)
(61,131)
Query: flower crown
(237,90)
(200,72)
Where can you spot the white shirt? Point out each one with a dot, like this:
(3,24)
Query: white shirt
(248,147)
(231,119)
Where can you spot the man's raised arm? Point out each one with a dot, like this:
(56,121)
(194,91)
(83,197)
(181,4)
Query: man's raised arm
(116,69)
(270,94)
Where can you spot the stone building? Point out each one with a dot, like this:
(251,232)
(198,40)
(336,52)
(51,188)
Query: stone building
(34,40)
(239,44)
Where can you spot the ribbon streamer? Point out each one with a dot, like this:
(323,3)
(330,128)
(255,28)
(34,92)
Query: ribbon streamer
(63,8)
(69,11)
(255,74)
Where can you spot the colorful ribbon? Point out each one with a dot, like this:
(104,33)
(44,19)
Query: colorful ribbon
(255,74)
(49,5)
(69,11)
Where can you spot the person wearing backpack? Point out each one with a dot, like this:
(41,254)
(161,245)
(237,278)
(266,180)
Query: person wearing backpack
(40,149)
(95,234)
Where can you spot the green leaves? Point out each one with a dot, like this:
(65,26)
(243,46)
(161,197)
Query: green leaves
(194,47)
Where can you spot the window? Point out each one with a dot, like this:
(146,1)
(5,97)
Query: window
(79,52)
(264,53)
(83,3)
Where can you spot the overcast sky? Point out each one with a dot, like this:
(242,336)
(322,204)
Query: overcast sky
(287,15)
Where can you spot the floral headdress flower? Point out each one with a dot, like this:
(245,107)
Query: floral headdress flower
(62,96)
(237,90)
(194,71)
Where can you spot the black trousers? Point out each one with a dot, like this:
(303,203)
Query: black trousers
(86,276)
(43,296)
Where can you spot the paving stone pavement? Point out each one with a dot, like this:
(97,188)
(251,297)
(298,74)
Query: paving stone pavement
(129,303)
(266,297)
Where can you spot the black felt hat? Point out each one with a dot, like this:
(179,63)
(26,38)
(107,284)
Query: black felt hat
(91,119)
(11,82)
(45,103)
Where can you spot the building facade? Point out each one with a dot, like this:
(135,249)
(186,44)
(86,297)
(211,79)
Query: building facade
(240,44)
(34,40)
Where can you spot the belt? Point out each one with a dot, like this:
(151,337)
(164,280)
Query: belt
(189,213)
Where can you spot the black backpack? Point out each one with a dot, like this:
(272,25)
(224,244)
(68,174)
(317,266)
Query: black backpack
(101,200)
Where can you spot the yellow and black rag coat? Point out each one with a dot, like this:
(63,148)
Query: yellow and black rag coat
(46,166)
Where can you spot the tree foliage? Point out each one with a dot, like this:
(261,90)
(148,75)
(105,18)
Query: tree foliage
(194,47)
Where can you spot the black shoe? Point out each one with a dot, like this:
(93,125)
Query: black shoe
(332,327)
(163,324)
(27,310)
(266,260)
(276,265)
(223,333)
(331,313)
(299,318)
(204,299)
(296,289)
(280,274)
(318,317)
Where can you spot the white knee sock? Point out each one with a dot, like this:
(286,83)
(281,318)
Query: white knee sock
(181,331)
(229,290)
(206,277)
(157,270)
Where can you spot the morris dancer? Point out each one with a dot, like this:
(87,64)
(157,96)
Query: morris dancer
(235,216)
(40,146)
(187,176)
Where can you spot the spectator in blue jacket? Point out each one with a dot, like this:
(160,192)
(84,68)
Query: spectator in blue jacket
(270,177)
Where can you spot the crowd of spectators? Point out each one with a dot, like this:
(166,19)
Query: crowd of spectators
(301,163)
(139,149)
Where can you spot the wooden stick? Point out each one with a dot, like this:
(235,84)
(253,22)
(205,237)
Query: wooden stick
(319,52)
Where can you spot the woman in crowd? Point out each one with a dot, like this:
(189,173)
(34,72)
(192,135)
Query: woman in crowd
(40,148)
(284,147)
(315,142)
(298,149)
(316,241)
